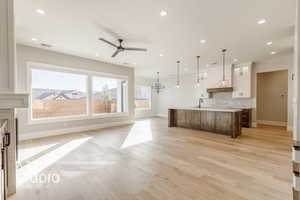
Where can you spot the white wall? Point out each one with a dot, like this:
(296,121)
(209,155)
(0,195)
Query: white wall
(154,99)
(29,54)
(187,94)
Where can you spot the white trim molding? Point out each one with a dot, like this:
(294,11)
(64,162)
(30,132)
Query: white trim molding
(162,115)
(296,103)
(272,123)
(7,47)
(35,135)
(254,124)
(11,100)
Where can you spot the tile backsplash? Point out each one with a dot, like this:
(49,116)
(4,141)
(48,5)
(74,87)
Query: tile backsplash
(225,100)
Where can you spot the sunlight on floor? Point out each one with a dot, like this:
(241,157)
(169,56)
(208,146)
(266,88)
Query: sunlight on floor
(29,152)
(33,168)
(139,133)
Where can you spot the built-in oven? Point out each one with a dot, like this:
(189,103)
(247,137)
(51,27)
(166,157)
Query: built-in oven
(5,142)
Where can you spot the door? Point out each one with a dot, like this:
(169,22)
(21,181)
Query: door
(272,97)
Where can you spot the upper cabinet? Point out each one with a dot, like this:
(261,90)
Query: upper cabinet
(215,76)
(242,80)
(203,85)
(236,76)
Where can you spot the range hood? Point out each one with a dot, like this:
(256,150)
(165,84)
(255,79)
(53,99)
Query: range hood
(223,89)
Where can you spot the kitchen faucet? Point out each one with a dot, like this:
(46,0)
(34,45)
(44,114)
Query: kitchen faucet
(200,101)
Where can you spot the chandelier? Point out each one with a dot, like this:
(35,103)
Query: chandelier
(157,85)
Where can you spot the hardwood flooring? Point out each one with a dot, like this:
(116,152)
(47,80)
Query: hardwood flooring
(149,161)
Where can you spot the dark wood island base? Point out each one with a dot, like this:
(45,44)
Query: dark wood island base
(210,120)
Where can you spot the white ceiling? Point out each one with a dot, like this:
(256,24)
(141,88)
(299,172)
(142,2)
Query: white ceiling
(74,26)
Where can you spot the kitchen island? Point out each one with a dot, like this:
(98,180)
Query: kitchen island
(223,121)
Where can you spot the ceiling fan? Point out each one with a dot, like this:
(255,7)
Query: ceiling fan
(120,48)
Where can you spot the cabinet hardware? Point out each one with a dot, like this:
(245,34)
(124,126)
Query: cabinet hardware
(2,158)
(6,140)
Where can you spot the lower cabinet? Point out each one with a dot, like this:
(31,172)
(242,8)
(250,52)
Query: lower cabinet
(207,122)
(246,118)
(226,123)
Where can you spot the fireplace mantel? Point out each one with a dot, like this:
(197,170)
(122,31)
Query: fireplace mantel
(13,100)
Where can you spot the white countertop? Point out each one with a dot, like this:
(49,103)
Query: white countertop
(208,109)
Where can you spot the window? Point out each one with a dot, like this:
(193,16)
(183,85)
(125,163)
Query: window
(143,97)
(64,94)
(57,94)
(109,95)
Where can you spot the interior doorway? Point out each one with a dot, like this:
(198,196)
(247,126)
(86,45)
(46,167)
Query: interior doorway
(272,98)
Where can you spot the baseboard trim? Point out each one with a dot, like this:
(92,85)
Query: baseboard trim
(272,123)
(162,115)
(144,116)
(290,128)
(42,134)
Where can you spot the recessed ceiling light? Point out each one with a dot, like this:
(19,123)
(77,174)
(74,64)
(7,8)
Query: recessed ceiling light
(273,53)
(235,60)
(134,63)
(33,39)
(97,54)
(163,13)
(269,43)
(262,21)
(203,41)
(40,11)
(161,55)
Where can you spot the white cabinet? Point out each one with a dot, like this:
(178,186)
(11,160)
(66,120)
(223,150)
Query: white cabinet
(242,80)
(215,76)
(202,88)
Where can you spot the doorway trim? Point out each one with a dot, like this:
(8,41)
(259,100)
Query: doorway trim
(290,120)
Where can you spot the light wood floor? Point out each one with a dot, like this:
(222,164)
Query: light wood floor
(149,161)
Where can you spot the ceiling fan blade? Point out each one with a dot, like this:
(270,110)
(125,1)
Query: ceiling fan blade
(135,49)
(108,42)
(116,53)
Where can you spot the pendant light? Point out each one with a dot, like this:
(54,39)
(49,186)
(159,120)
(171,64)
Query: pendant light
(223,83)
(198,71)
(157,85)
(178,74)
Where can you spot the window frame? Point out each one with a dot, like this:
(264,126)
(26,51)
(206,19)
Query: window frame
(91,97)
(89,74)
(150,103)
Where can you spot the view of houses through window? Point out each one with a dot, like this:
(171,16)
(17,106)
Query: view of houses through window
(60,94)
(142,97)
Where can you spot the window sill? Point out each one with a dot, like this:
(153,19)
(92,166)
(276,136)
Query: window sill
(76,118)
